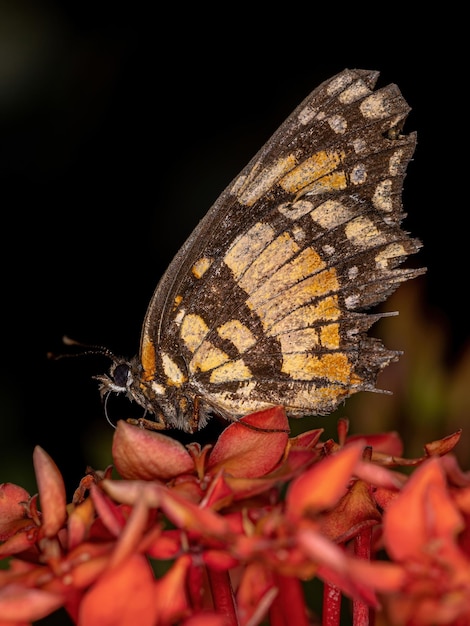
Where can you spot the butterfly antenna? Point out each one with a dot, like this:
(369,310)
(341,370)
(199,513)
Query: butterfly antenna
(87,349)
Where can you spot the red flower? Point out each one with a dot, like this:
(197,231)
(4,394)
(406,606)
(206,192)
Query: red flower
(226,534)
(421,530)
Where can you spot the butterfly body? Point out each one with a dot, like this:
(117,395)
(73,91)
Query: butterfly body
(265,302)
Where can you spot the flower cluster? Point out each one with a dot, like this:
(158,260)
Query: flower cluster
(226,534)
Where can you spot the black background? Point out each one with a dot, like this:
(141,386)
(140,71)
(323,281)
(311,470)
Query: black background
(120,125)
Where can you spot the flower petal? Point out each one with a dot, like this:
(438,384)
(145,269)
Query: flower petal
(253,446)
(131,534)
(20,604)
(170,594)
(389,443)
(444,445)
(382,576)
(80,521)
(188,516)
(166,546)
(52,494)
(308,439)
(110,514)
(378,476)
(206,619)
(124,595)
(334,566)
(140,453)
(219,560)
(423,511)
(218,494)
(324,484)
(255,594)
(20,542)
(354,511)
(11,507)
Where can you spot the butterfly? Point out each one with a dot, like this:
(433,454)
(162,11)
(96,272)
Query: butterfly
(266,302)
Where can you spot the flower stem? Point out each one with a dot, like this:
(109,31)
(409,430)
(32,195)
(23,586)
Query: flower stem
(288,606)
(222,595)
(331,605)
(362,614)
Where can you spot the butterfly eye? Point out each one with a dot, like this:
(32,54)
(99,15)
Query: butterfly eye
(121,375)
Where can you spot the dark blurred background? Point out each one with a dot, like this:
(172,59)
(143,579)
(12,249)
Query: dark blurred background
(120,126)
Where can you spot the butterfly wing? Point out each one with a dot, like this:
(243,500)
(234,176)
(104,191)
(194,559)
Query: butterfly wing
(264,303)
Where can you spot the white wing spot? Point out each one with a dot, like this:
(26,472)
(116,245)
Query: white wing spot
(329,250)
(382,198)
(359,145)
(338,124)
(339,83)
(376,106)
(353,272)
(358,174)
(362,232)
(395,162)
(352,301)
(355,92)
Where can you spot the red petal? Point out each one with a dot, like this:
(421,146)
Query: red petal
(17,531)
(20,542)
(245,452)
(324,484)
(242,488)
(386,443)
(378,476)
(218,494)
(383,497)
(52,494)
(354,511)
(456,476)
(219,560)
(18,604)
(172,602)
(206,619)
(79,523)
(443,446)
(308,439)
(87,563)
(383,577)
(166,546)
(298,459)
(11,507)
(335,567)
(188,516)
(255,593)
(123,596)
(131,534)
(423,511)
(140,453)
(109,513)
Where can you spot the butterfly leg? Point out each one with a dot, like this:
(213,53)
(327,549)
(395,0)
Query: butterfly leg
(144,423)
(194,420)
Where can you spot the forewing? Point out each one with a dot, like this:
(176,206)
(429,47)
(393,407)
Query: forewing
(264,302)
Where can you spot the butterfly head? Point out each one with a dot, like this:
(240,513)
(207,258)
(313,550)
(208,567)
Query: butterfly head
(124,377)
